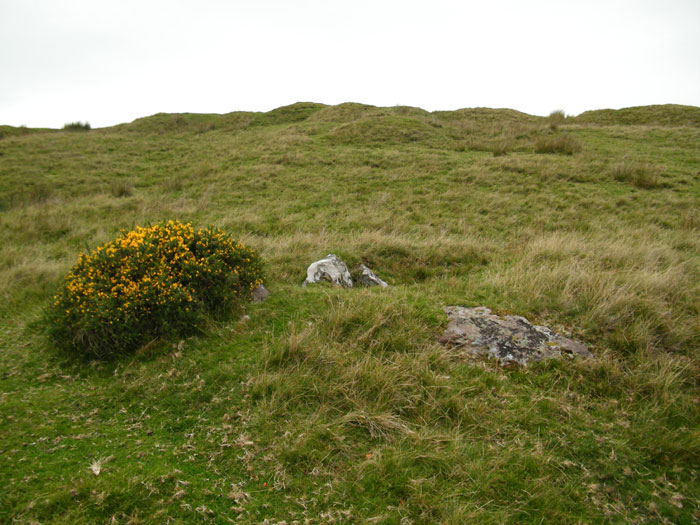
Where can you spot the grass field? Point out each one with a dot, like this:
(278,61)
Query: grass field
(332,405)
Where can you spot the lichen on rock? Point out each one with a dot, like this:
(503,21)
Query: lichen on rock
(509,339)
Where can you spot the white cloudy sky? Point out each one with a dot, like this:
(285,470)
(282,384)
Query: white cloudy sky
(107,62)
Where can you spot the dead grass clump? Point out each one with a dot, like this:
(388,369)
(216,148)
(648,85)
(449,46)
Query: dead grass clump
(629,293)
(566,144)
(556,118)
(122,188)
(173,184)
(642,175)
(500,148)
(690,221)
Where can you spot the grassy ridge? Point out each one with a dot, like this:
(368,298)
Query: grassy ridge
(661,115)
(339,405)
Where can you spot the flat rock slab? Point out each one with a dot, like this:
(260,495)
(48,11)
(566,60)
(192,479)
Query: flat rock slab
(509,339)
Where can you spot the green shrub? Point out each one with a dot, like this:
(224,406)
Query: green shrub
(77,126)
(558,144)
(155,281)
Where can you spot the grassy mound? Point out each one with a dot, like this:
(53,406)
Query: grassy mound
(383,129)
(15,131)
(346,112)
(661,115)
(485,117)
(288,114)
(171,123)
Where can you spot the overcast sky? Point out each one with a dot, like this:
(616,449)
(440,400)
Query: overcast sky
(109,62)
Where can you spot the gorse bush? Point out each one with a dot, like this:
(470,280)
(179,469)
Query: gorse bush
(150,282)
(77,126)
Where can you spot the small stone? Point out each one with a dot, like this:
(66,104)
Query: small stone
(260,294)
(331,269)
(509,339)
(368,277)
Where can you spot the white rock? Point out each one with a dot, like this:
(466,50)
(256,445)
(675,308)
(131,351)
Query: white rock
(330,269)
(368,278)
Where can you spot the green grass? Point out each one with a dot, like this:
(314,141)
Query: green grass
(661,115)
(339,405)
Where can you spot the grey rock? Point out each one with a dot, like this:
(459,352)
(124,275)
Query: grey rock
(368,278)
(260,294)
(330,269)
(509,339)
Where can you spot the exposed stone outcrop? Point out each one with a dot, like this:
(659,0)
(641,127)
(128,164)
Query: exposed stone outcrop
(510,339)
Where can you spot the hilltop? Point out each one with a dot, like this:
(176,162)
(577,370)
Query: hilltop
(661,115)
(329,405)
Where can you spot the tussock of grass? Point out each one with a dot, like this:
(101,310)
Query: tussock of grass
(556,118)
(639,174)
(122,188)
(567,274)
(501,148)
(565,144)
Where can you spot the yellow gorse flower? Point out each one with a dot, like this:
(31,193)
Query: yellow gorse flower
(153,277)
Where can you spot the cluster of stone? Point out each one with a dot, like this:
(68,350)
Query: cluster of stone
(472,332)
(333,270)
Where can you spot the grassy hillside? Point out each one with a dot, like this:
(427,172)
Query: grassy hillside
(331,405)
(662,115)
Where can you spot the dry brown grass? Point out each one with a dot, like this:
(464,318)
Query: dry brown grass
(565,144)
(556,118)
(642,175)
(622,287)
